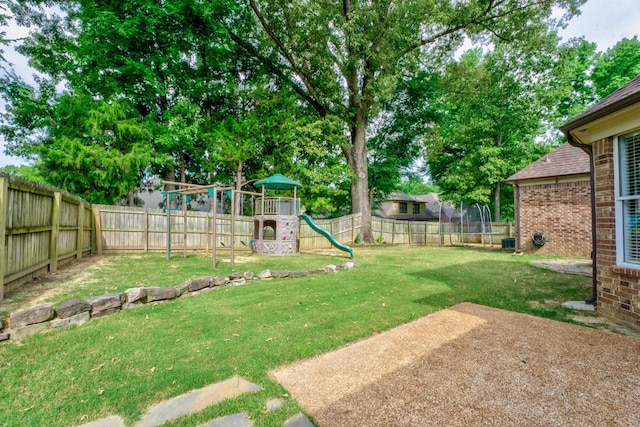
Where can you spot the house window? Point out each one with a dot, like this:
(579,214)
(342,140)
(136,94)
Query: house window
(416,209)
(403,207)
(628,199)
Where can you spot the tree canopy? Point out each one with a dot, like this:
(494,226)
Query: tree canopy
(342,96)
(345,58)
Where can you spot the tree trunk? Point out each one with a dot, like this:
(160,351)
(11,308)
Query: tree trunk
(357,159)
(130,199)
(496,203)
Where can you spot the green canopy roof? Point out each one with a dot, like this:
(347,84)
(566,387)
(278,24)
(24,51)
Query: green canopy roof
(278,182)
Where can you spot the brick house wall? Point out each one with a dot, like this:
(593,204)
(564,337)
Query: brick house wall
(598,127)
(618,287)
(562,211)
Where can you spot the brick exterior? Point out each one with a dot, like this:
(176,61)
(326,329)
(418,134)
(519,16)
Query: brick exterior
(618,287)
(562,211)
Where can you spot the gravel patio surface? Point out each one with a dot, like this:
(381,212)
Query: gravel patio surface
(474,365)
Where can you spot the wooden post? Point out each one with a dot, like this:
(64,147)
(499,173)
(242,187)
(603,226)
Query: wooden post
(96,219)
(80,236)
(206,233)
(331,230)
(233,225)
(353,230)
(55,232)
(145,236)
(426,233)
(92,238)
(214,233)
(184,226)
(168,232)
(4,210)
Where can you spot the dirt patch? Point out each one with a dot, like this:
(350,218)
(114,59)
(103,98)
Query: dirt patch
(570,266)
(597,321)
(41,289)
(545,304)
(470,365)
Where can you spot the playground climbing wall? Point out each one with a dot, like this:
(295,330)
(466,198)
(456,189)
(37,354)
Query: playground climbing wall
(276,234)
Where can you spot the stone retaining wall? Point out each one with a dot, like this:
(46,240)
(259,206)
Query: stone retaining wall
(75,311)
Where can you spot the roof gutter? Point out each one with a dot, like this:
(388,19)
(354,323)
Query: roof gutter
(594,252)
(517,188)
(603,111)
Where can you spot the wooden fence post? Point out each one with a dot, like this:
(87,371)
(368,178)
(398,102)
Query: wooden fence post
(80,236)
(145,236)
(55,232)
(4,205)
(92,238)
(96,222)
(353,230)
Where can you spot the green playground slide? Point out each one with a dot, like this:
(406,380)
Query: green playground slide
(326,234)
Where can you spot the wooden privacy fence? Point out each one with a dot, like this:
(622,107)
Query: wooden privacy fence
(41,228)
(402,232)
(121,229)
(124,229)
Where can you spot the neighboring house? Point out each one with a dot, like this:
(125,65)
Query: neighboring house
(401,206)
(553,197)
(610,131)
(442,211)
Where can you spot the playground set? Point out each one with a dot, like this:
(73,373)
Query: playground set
(276,218)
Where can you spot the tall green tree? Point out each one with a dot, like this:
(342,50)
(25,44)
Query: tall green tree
(397,143)
(23,171)
(96,149)
(272,133)
(171,61)
(575,88)
(4,19)
(489,131)
(617,66)
(416,185)
(585,75)
(344,58)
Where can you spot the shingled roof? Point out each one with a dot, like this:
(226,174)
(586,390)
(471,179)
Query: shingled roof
(399,196)
(627,95)
(563,161)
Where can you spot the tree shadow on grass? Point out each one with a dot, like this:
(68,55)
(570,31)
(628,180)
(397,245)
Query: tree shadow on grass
(507,285)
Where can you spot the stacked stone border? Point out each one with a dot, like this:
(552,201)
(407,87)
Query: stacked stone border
(24,323)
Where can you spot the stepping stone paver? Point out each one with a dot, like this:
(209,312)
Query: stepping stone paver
(234,420)
(298,420)
(196,400)
(578,305)
(112,421)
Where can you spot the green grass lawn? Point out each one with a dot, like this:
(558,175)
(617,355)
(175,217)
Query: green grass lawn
(124,363)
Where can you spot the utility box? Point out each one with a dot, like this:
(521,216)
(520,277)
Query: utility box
(509,243)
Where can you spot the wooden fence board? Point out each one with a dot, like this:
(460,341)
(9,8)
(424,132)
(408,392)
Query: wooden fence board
(40,226)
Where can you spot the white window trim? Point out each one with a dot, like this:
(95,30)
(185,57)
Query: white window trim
(618,205)
(618,202)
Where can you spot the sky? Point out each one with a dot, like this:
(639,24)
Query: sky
(604,22)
